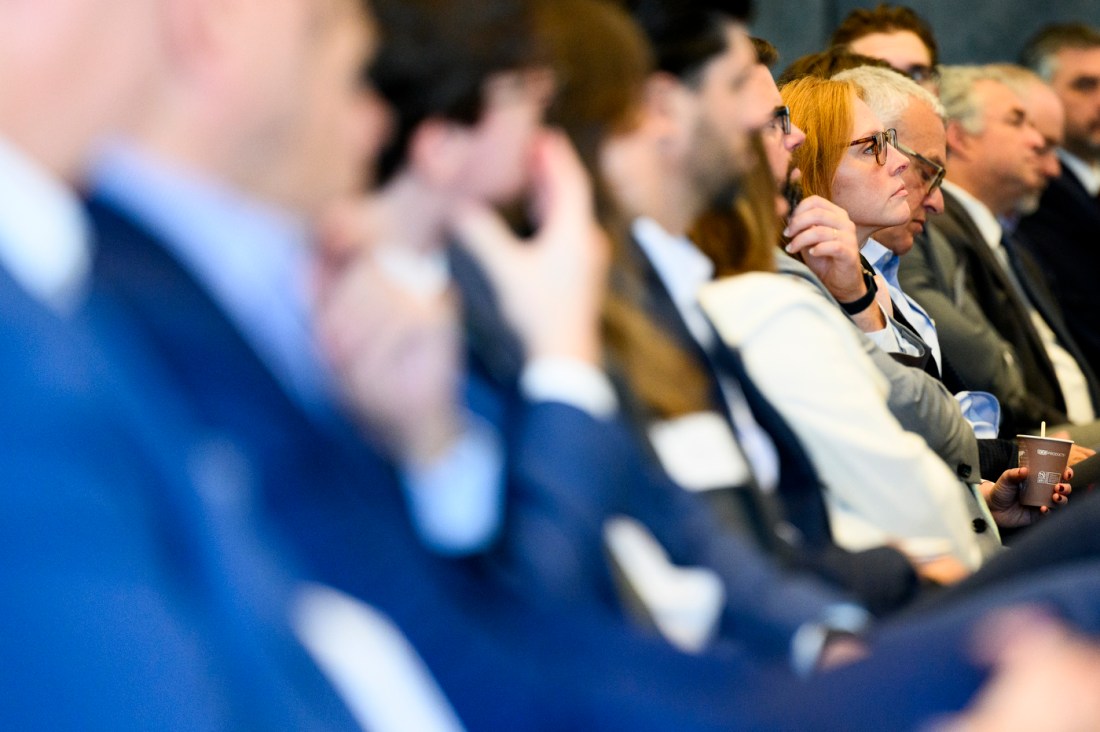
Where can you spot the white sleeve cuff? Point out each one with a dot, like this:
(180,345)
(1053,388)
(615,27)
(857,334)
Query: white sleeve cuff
(571,382)
(809,640)
(457,500)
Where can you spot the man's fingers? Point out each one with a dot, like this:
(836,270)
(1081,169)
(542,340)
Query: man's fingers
(562,190)
(483,233)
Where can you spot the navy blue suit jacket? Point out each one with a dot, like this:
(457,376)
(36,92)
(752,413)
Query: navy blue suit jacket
(504,661)
(131,599)
(881,578)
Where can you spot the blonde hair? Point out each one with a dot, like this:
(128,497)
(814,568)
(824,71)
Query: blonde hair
(823,109)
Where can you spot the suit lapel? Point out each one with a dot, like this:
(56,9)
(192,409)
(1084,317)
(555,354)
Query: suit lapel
(999,301)
(799,487)
(1031,279)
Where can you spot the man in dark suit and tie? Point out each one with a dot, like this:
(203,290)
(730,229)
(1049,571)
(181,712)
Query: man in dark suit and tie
(1061,234)
(993,163)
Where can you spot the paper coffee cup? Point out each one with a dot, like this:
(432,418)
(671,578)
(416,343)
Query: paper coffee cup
(1045,459)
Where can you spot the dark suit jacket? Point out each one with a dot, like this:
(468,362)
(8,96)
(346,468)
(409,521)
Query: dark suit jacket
(132,598)
(986,282)
(569,469)
(881,578)
(503,660)
(1063,237)
(504,663)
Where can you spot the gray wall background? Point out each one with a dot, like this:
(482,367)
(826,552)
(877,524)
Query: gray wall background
(978,31)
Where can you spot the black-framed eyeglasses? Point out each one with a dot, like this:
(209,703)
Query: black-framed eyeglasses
(931,172)
(781,119)
(921,73)
(878,141)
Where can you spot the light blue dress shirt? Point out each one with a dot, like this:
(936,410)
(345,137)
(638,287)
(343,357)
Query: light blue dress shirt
(981,409)
(254,261)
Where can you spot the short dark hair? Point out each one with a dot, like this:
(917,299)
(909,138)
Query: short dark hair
(885,19)
(686,34)
(1038,54)
(827,64)
(766,53)
(436,56)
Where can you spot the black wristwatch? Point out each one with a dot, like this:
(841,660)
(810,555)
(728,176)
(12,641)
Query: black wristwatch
(858,306)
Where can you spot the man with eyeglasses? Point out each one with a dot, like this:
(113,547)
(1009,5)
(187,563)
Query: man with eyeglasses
(918,118)
(918,401)
(895,34)
(1017,347)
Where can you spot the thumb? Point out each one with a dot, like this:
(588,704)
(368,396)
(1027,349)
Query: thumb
(484,234)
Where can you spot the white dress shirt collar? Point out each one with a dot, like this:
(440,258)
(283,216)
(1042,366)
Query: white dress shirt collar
(252,259)
(683,269)
(1087,173)
(991,229)
(43,233)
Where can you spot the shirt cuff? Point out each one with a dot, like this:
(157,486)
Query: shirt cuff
(810,638)
(888,339)
(570,382)
(982,410)
(457,500)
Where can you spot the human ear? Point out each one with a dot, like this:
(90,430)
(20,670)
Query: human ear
(438,151)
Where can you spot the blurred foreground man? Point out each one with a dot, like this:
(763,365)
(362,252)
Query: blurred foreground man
(133,595)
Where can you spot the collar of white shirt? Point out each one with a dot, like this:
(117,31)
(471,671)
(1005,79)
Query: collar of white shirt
(43,234)
(252,258)
(1087,173)
(682,268)
(991,229)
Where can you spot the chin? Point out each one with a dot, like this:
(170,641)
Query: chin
(1028,204)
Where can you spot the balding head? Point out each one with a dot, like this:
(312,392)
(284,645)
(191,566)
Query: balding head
(73,71)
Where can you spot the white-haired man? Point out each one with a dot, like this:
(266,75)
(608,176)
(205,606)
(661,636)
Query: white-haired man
(996,161)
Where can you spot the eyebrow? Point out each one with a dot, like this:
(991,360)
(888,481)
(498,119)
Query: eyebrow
(1085,79)
(742,76)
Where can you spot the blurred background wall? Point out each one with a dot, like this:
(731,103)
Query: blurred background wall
(968,31)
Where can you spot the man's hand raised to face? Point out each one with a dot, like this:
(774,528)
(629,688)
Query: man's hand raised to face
(389,324)
(551,285)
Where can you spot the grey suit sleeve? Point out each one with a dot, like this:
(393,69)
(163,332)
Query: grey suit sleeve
(920,403)
(923,405)
(978,354)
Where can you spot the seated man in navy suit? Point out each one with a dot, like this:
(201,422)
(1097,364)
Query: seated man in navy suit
(427,184)
(203,246)
(131,595)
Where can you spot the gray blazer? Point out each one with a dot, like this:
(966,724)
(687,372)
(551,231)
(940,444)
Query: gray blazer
(919,402)
(922,405)
(985,332)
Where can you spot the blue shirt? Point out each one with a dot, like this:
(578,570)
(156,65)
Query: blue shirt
(254,261)
(981,409)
